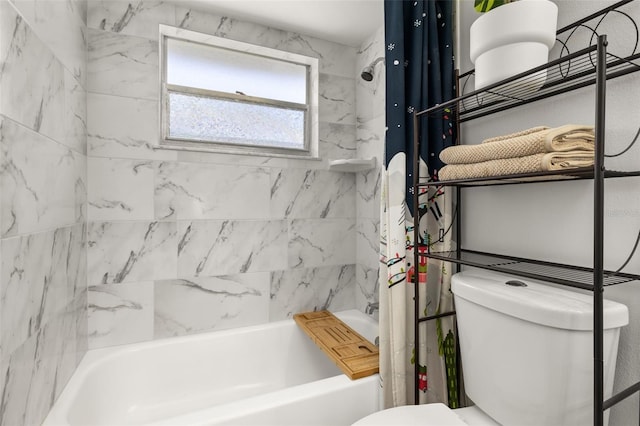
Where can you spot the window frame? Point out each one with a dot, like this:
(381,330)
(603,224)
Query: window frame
(310,109)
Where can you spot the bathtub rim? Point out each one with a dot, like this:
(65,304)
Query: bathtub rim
(94,358)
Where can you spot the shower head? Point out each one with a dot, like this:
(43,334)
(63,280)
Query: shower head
(368,71)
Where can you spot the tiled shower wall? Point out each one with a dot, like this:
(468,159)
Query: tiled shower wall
(370,116)
(43,297)
(181,242)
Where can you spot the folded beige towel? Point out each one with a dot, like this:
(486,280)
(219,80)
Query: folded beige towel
(529,164)
(516,134)
(537,140)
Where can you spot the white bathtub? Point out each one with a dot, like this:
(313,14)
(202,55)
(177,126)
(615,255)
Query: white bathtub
(270,374)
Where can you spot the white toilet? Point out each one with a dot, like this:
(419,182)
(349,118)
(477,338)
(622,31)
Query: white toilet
(527,355)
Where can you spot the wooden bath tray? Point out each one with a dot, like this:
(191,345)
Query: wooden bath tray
(352,353)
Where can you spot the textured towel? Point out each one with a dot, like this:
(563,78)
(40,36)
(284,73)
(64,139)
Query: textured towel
(516,134)
(529,164)
(537,140)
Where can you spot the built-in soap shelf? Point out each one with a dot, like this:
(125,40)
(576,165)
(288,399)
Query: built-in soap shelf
(352,164)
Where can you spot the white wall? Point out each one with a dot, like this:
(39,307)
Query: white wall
(553,221)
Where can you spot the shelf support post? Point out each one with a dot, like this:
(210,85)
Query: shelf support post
(458,192)
(598,233)
(458,241)
(416,239)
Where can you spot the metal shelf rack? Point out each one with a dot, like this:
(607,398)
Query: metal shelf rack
(570,174)
(568,275)
(591,66)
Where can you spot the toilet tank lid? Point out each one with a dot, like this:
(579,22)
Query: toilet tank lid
(536,302)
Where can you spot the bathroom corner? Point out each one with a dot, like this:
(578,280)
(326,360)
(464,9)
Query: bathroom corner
(370,118)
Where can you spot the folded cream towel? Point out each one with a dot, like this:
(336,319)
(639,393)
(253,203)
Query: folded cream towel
(537,140)
(516,134)
(529,164)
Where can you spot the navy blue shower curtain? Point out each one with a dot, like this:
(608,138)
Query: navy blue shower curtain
(420,74)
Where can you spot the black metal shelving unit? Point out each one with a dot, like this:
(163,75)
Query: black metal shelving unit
(591,66)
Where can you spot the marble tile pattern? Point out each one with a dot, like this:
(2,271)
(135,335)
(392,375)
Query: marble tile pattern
(367,260)
(225,247)
(44,182)
(186,242)
(335,59)
(127,251)
(120,189)
(41,274)
(80,7)
(368,189)
(122,65)
(123,127)
(337,99)
(186,306)
(199,191)
(311,289)
(43,167)
(31,71)
(136,18)
(337,141)
(75,117)
(368,243)
(320,242)
(120,313)
(367,286)
(370,131)
(297,193)
(36,372)
(372,92)
(66,42)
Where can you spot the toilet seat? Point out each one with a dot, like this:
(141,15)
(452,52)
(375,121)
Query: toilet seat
(436,414)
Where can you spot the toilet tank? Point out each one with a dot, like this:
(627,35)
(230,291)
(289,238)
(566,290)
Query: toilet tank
(527,350)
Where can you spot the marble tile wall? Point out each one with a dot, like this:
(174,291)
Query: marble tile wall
(184,242)
(370,116)
(43,292)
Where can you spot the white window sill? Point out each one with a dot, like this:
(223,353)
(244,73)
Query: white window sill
(249,152)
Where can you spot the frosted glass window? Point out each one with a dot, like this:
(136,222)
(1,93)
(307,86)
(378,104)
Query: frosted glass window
(218,120)
(224,95)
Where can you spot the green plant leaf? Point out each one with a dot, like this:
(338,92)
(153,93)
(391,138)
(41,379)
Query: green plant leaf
(452,374)
(486,5)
